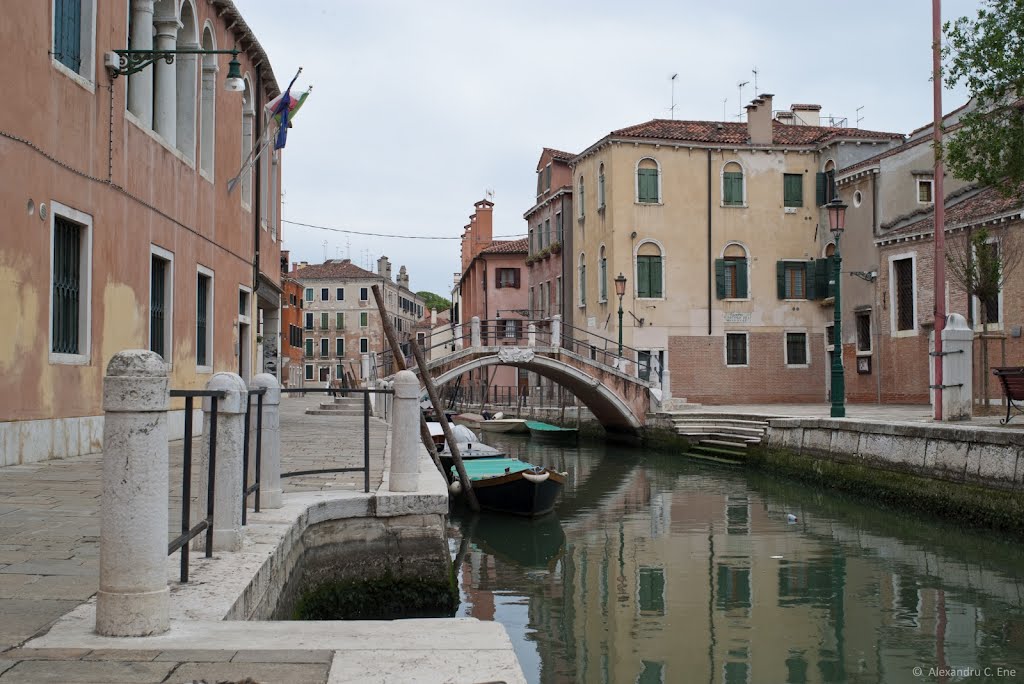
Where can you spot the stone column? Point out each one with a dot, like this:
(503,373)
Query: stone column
(165,113)
(227,496)
(474,331)
(133,595)
(270,458)
(364,369)
(531,335)
(186,67)
(957,369)
(405,432)
(140,85)
(556,330)
(458,336)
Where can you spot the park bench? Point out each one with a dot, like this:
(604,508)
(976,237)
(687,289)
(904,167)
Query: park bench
(1012,380)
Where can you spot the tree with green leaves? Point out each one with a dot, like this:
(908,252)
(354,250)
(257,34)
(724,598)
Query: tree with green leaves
(987,54)
(434,301)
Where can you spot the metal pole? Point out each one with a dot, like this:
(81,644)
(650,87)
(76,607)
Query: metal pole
(259,447)
(366,442)
(186,487)
(245,455)
(211,479)
(620,327)
(939,200)
(838,381)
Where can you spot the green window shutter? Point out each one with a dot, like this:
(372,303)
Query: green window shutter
(780,278)
(822,274)
(643,277)
(741,278)
(812,280)
(720,278)
(733,181)
(793,190)
(656,277)
(647,185)
(830,274)
(67,30)
(819,185)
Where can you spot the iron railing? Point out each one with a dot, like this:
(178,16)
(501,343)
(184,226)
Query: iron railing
(189,531)
(254,488)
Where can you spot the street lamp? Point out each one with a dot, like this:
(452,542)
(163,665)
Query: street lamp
(128,62)
(837,223)
(620,290)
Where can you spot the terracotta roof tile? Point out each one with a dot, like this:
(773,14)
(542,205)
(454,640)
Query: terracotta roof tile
(961,212)
(332,269)
(507,247)
(736,133)
(805,106)
(559,155)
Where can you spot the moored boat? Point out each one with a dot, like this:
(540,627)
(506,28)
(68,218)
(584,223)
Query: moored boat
(546,431)
(508,485)
(470,420)
(470,446)
(505,425)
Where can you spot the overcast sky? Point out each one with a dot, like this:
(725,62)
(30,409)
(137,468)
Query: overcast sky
(419,107)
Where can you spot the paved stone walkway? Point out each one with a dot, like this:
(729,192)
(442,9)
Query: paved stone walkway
(49,557)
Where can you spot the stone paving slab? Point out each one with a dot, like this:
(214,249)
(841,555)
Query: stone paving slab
(275,673)
(83,672)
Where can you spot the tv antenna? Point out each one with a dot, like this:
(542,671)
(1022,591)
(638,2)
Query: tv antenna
(325,251)
(348,249)
(755,72)
(489,194)
(725,102)
(672,109)
(859,117)
(740,86)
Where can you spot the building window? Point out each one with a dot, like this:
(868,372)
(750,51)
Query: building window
(309,347)
(339,321)
(826,184)
(547,232)
(648,183)
(161,279)
(325,294)
(600,187)
(204,331)
(364,294)
(68,33)
(558,226)
(863,322)
(651,590)
(248,117)
(736,349)
(340,294)
(924,191)
(511,329)
(243,303)
(309,294)
(531,249)
(324,320)
(583,279)
(796,349)
(309,370)
(309,320)
(731,275)
(649,271)
(364,319)
(207,106)
(602,276)
(580,193)
(70,281)
(364,345)
(558,294)
(339,371)
(506,277)
(325,347)
(793,190)
(903,294)
(732,185)
(792,279)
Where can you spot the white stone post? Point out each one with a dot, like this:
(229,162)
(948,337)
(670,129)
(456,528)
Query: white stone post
(474,331)
(270,456)
(957,369)
(531,335)
(133,595)
(459,343)
(556,330)
(405,431)
(165,113)
(140,84)
(364,369)
(227,495)
(666,382)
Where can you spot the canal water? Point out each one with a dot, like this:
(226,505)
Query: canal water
(656,568)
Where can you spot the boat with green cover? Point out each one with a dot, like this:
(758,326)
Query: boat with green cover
(548,432)
(508,485)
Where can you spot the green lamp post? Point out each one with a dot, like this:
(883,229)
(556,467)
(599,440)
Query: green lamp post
(837,223)
(620,290)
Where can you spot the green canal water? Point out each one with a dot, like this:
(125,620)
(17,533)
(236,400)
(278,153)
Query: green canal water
(656,568)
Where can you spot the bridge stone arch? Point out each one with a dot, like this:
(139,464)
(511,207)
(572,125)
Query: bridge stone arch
(618,401)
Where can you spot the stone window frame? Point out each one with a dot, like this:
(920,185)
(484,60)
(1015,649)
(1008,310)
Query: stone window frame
(725,348)
(85,221)
(785,347)
(86,74)
(893,303)
(211,298)
(168,256)
(636,181)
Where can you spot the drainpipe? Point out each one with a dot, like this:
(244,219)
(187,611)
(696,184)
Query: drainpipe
(710,264)
(257,126)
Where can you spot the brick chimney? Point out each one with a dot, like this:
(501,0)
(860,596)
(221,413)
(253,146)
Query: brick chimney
(384,267)
(759,120)
(467,247)
(433,317)
(482,222)
(806,114)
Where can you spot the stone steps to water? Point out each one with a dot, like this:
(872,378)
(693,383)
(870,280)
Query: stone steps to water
(716,454)
(735,431)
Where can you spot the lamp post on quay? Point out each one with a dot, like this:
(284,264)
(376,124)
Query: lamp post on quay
(837,223)
(620,290)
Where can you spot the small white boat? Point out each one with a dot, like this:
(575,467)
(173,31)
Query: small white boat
(470,420)
(504,425)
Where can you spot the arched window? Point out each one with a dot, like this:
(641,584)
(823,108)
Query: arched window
(165,76)
(733,192)
(650,271)
(732,273)
(207,103)
(188,38)
(602,275)
(826,189)
(579,201)
(140,84)
(600,187)
(648,181)
(248,116)
(583,279)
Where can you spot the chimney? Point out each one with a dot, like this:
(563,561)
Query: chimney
(302,265)
(433,317)
(403,277)
(806,114)
(759,120)
(384,268)
(482,225)
(467,246)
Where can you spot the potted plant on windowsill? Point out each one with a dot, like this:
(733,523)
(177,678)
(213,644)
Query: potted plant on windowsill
(531,260)
(544,253)
(556,248)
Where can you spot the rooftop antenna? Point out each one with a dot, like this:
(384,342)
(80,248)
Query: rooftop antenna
(725,101)
(740,85)
(489,194)
(859,117)
(672,109)
(348,249)
(755,72)
(325,251)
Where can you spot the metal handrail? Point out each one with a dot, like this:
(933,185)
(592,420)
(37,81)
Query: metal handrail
(248,489)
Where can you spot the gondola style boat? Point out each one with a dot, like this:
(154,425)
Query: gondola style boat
(508,485)
(508,425)
(551,433)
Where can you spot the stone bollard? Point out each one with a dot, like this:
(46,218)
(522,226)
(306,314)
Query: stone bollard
(270,458)
(133,596)
(531,335)
(405,431)
(227,495)
(364,367)
(957,348)
(474,331)
(556,330)
(457,332)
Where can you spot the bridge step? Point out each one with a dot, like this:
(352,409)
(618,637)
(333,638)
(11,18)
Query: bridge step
(726,444)
(740,422)
(703,428)
(728,456)
(723,436)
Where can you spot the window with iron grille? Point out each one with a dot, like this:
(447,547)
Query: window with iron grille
(903,273)
(736,349)
(364,345)
(325,347)
(67,286)
(511,328)
(159,306)
(796,349)
(204,290)
(67,33)
(863,321)
(924,192)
